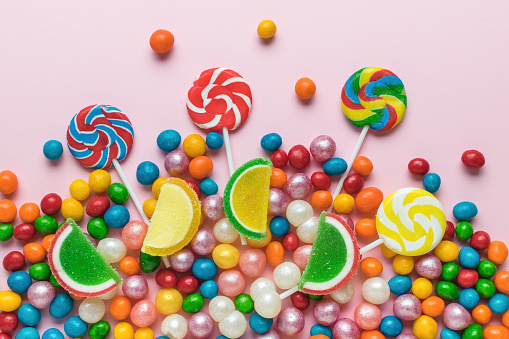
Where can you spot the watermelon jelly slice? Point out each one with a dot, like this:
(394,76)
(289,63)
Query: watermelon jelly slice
(77,265)
(334,258)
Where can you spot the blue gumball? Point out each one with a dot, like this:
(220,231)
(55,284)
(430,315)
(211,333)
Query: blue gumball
(400,284)
(52,149)
(334,166)
(390,326)
(162,337)
(464,211)
(320,329)
(147,172)
(214,140)
(209,289)
(259,324)
(28,333)
(431,182)
(205,269)
(29,315)
(208,186)
(61,306)
(468,298)
(19,281)
(168,140)
(279,226)
(469,258)
(75,327)
(447,333)
(499,303)
(117,216)
(271,142)
(52,333)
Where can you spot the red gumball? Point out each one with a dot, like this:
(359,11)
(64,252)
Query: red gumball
(353,183)
(480,240)
(97,206)
(290,242)
(300,300)
(8,322)
(467,278)
(320,180)
(449,231)
(24,232)
(473,159)
(194,186)
(279,158)
(5,336)
(299,157)
(418,166)
(166,278)
(14,261)
(51,203)
(187,284)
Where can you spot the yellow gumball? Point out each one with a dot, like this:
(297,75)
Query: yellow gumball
(72,208)
(261,243)
(149,206)
(144,333)
(194,145)
(168,301)
(447,251)
(344,203)
(266,29)
(79,189)
(422,288)
(225,256)
(388,253)
(402,264)
(9,301)
(156,186)
(99,181)
(123,330)
(425,327)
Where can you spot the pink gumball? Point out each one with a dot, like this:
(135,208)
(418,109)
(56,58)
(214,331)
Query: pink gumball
(277,202)
(231,283)
(326,312)
(203,242)
(301,256)
(298,186)
(367,316)
(134,233)
(135,287)
(345,328)
(182,261)
(252,262)
(143,313)
(200,325)
(290,321)
(212,207)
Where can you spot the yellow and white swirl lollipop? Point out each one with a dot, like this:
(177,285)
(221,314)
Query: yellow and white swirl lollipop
(411,221)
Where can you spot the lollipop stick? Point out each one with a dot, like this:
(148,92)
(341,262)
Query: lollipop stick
(231,166)
(369,247)
(355,151)
(289,292)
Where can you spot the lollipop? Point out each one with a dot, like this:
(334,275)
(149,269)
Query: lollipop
(375,98)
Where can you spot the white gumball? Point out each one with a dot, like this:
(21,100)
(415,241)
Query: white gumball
(376,290)
(225,232)
(91,310)
(110,295)
(174,326)
(268,303)
(112,250)
(308,230)
(259,285)
(286,275)
(220,307)
(234,325)
(298,211)
(344,294)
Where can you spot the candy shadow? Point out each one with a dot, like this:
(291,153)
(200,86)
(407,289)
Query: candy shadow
(268,41)
(163,56)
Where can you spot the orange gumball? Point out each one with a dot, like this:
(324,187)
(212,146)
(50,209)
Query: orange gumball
(321,200)
(8,210)
(366,228)
(371,267)
(278,178)
(495,332)
(319,336)
(161,41)
(129,266)
(505,319)
(374,334)
(497,252)
(200,167)
(120,307)
(368,200)
(34,252)
(76,297)
(433,306)
(274,253)
(305,88)
(29,212)
(46,241)
(502,282)
(362,165)
(481,314)
(8,182)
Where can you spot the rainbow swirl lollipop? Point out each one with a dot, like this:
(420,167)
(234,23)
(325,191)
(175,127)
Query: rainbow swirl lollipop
(98,134)
(374,96)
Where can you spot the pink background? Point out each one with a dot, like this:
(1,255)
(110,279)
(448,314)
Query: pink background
(58,58)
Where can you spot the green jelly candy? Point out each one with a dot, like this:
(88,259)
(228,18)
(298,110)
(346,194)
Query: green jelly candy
(447,290)
(244,303)
(46,225)
(118,193)
(6,231)
(486,269)
(53,281)
(193,303)
(97,228)
(485,288)
(473,331)
(39,271)
(149,263)
(314,297)
(464,230)
(450,271)
(99,330)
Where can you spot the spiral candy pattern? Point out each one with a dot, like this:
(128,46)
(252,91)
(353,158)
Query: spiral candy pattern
(98,134)
(374,96)
(219,98)
(411,221)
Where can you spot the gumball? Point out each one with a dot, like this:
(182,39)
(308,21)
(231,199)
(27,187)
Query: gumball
(267,304)
(6,232)
(252,262)
(308,230)
(433,306)
(135,287)
(464,211)
(220,307)
(24,232)
(29,211)
(231,283)
(320,180)
(193,303)
(425,327)
(353,183)
(97,206)
(446,251)
(274,253)
(371,267)
(428,266)
(447,291)
(314,296)
(473,159)
(143,313)
(149,207)
(286,275)
(407,307)
(456,317)
(8,210)
(345,328)
(497,252)
(468,298)
(112,250)
(290,242)
(402,264)
(344,294)
(97,228)
(8,182)
(123,330)
(277,202)
(46,225)
(117,216)
(322,148)
(298,211)
(367,316)
(34,252)
(203,242)
(449,231)
(469,257)
(200,325)
(161,41)
(226,256)
(266,29)
(174,326)
(204,268)
(366,228)
(278,178)
(422,288)
(480,241)
(29,315)
(300,300)
(14,261)
(298,186)
(75,327)
(334,166)
(305,88)
(52,149)
(168,140)
(301,256)
(418,166)
(391,326)
(271,142)
(8,322)
(129,266)
(224,232)
(431,182)
(498,304)
(166,278)
(321,200)
(368,200)
(19,281)
(120,307)
(376,290)
(187,284)
(298,157)
(201,167)
(343,203)
(208,186)
(182,261)
(99,330)
(486,269)
(279,158)
(502,282)
(259,285)
(156,186)
(400,284)
(134,233)
(485,288)
(261,243)
(168,301)
(28,333)
(40,294)
(195,187)
(176,163)
(481,314)
(290,321)
(244,303)
(40,271)
(326,312)
(259,324)
(464,230)
(474,331)
(53,333)
(495,332)
(234,325)
(147,172)
(279,226)
(362,165)
(46,241)
(209,289)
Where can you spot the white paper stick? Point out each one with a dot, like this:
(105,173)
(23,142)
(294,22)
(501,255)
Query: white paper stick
(369,247)
(289,292)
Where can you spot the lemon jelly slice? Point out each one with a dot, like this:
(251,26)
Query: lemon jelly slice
(246,198)
(175,220)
